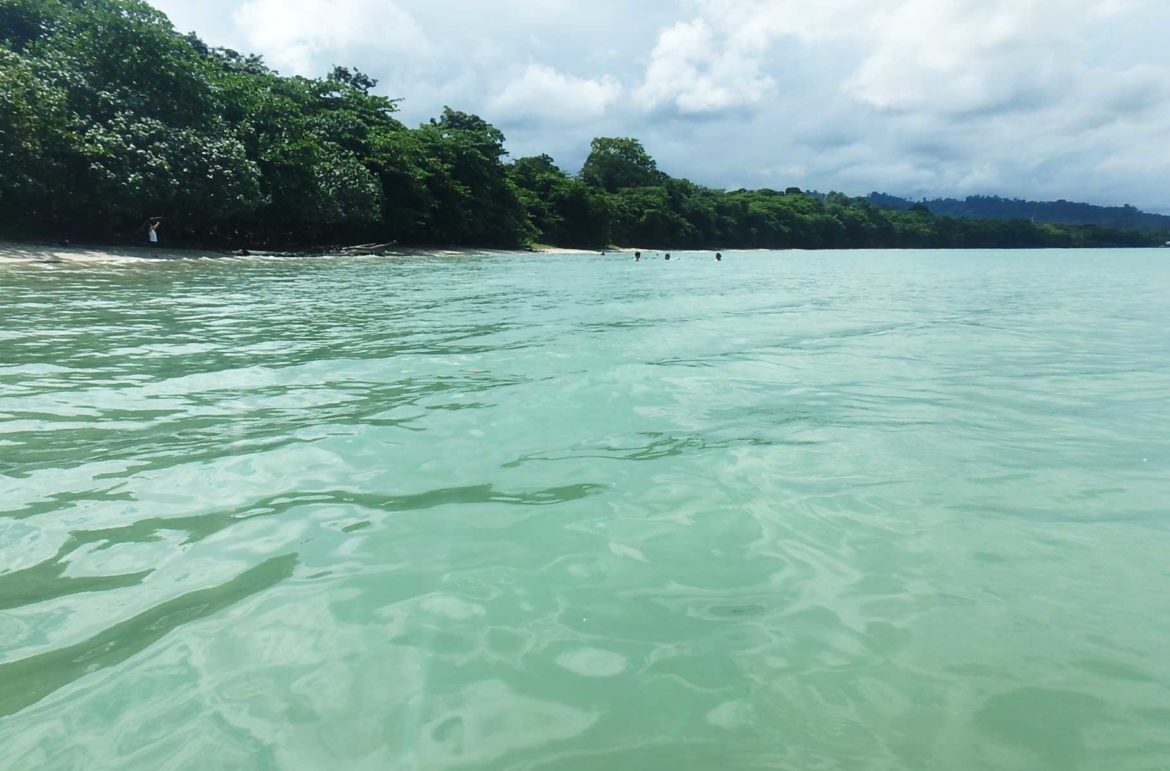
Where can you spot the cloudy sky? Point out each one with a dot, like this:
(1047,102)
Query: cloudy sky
(1040,99)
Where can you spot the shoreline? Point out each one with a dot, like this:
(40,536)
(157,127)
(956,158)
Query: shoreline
(24,253)
(41,253)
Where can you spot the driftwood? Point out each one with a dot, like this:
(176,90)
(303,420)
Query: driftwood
(368,248)
(349,251)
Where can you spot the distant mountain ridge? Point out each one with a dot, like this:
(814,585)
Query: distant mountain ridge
(1057,212)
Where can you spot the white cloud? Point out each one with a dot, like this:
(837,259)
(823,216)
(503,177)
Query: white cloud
(541,92)
(694,71)
(306,36)
(955,56)
(960,56)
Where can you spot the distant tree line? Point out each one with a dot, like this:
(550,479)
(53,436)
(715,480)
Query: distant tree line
(1061,212)
(109,117)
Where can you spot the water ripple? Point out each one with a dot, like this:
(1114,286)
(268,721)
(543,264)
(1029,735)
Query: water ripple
(891,510)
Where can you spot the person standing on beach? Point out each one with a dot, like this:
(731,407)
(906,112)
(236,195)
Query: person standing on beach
(152,234)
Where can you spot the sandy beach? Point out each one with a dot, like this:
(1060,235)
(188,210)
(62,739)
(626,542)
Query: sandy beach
(48,254)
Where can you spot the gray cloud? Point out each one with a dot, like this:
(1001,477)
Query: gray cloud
(1033,98)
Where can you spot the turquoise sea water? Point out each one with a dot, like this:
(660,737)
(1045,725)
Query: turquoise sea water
(864,510)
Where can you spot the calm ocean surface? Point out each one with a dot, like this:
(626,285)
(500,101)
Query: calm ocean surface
(853,510)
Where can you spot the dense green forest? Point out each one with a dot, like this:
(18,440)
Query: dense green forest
(1062,212)
(108,116)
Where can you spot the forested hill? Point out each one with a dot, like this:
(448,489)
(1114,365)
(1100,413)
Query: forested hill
(1060,212)
(109,117)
